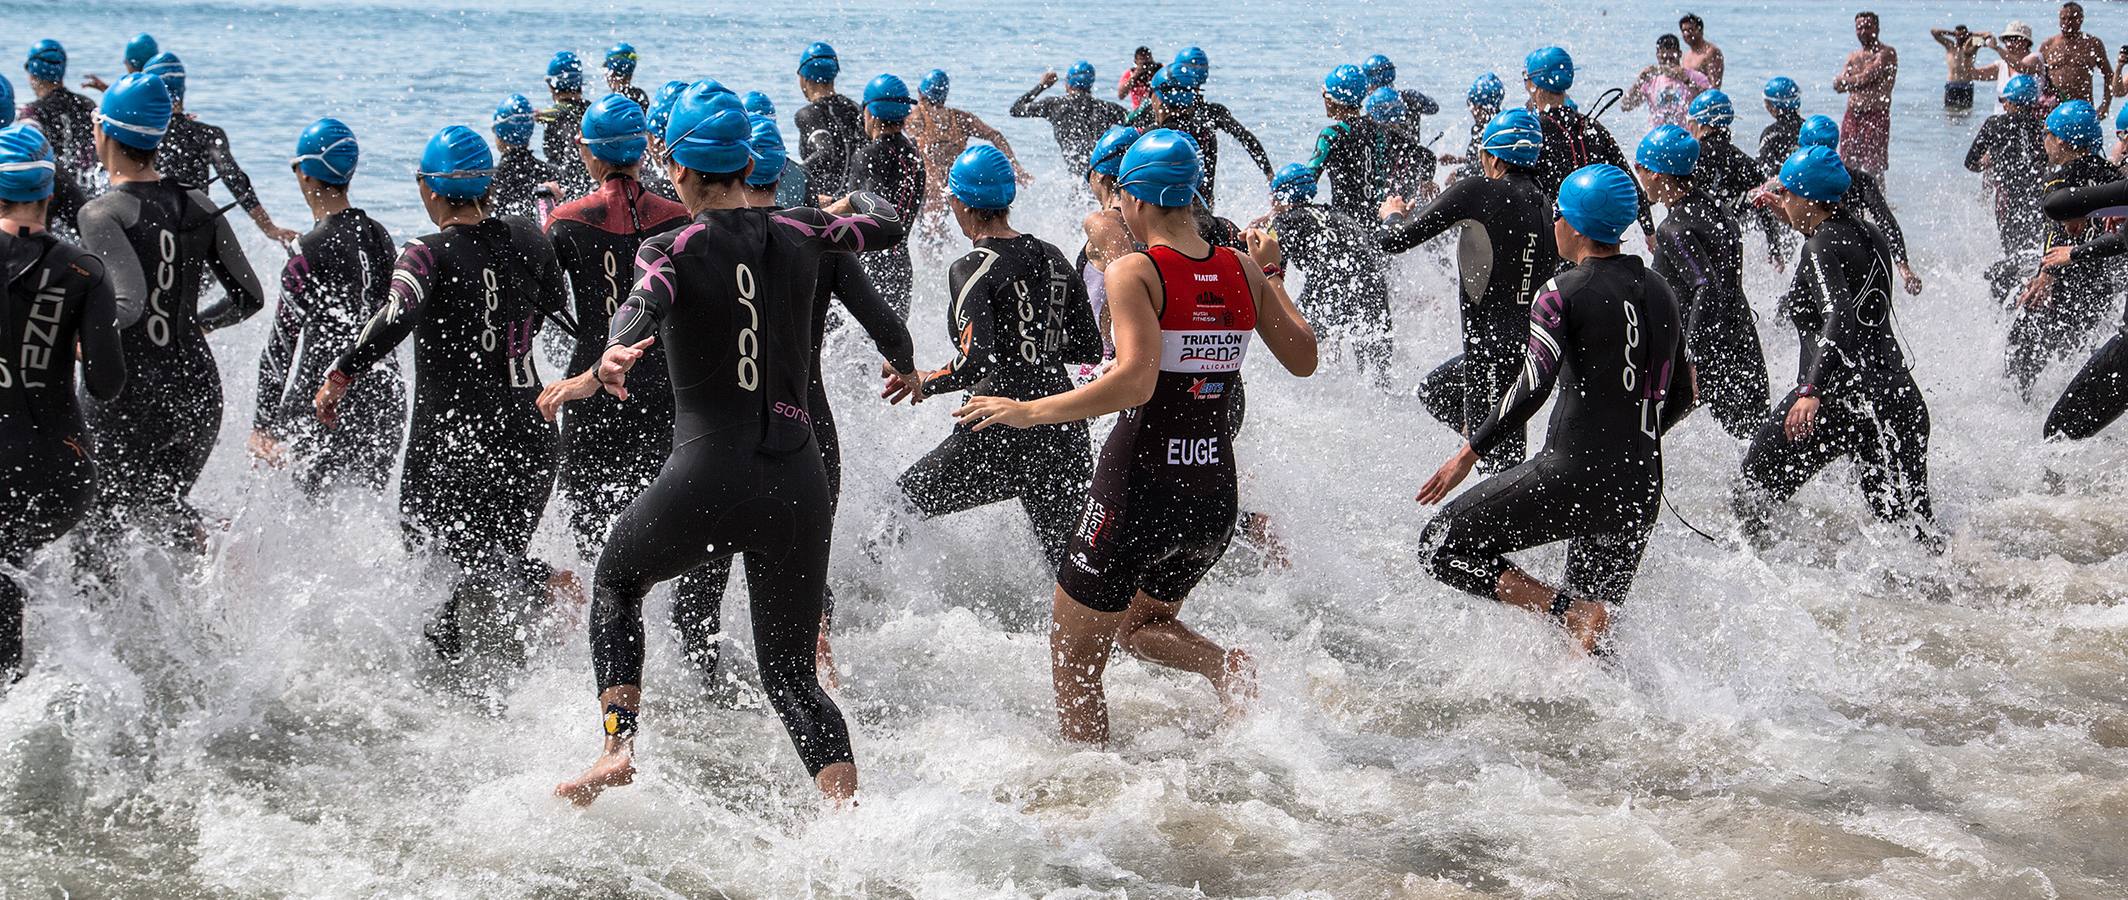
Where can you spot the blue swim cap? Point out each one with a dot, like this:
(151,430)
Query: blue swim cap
(7,102)
(709,131)
(757,103)
(615,130)
(818,63)
(1515,136)
(1668,150)
(764,144)
(1819,131)
(661,107)
(26,168)
(887,99)
(1816,173)
(47,61)
(982,178)
(1550,69)
(1385,105)
(2022,90)
(1486,92)
(1712,109)
(2076,124)
(714,86)
(1346,85)
(171,70)
(139,50)
(1782,93)
(1107,157)
(1172,92)
(565,73)
(934,86)
(327,151)
(1294,184)
(456,164)
(1600,202)
(1190,67)
(136,110)
(1162,168)
(1081,76)
(2120,120)
(1380,71)
(513,121)
(621,59)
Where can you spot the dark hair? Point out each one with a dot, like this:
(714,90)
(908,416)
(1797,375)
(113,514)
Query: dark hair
(720,179)
(988,215)
(2072,4)
(1866,14)
(1692,19)
(1666,42)
(138,156)
(1142,51)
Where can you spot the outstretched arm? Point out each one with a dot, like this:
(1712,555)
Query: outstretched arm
(244,296)
(1133,286)
(1224,120)
(857,223)
(974,338)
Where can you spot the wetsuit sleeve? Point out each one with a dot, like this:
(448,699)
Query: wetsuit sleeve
(1082,332)
(972,326)
(1223,119)
(290,321)
(1685,265)
(1540,370)
(1982,143)
(103,355)
(1138,115)
(1454,204)
(103,234)
(2112,243)
(1823,284)
(1681,394)
(1880,212)
(1027,107)
(876,225)
(400,313)
(872,312)
(244,297)
(2061,205)
(233,177)
(1325,145)
(647,302)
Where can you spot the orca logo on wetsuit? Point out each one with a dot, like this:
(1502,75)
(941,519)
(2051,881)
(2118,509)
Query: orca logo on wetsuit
(612,265)
(750,335)
(165,277)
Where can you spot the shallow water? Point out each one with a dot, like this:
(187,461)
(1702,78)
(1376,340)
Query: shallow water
(1843,716)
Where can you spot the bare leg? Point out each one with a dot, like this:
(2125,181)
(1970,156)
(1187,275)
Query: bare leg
(1079,644)
(824,658)
(616,763)
(1150,631)
(1586,620)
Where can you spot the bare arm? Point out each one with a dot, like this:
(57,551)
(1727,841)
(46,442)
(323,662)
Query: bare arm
(1714,67)
(1133,283)
(1279,323)
(976,126)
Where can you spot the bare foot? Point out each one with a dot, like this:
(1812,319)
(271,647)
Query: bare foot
(616,769)
(1589,621)
(1257,527)
(1237,684)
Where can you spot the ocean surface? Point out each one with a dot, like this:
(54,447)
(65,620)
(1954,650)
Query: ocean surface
(1841,716)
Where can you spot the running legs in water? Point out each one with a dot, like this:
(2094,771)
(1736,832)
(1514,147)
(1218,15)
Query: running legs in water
(1080,640)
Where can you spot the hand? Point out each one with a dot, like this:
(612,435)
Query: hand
(840,207)
(901,385)
(1449,159)
(1911,280)
(2038,293)
(613,367)
(1780,263)
(266,448)
(557,393)
(282,236)
(1394,205)
(1263,247)
(1021,176)
(982,412)
(1448,476)
(1802,418)
(2057,257)
(95,83)
(1049,78)
(1429,190)
(329,396)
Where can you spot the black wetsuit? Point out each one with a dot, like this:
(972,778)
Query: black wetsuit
(1203,121)
(515,190)
(2098,394)
(1411,164)
(1865,197)
(1078,118)
(68,121)
(1777,141)
(630,91)
(1699,250)
(1573,140)
(1472,166)
(56,296)
(1354,154)
(2083,290)
(1728,174)
(731,296)
(1019,317)
(1505,252)
(1870,408)
(340,276)
(480,460)
(891,168)
(194,153)
(563,125)
(830,132)
(158,241)
(2011,150)
(1608,334)
(611,448)
(1346,291)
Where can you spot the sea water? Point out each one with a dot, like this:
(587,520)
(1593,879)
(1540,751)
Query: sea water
(1840,716)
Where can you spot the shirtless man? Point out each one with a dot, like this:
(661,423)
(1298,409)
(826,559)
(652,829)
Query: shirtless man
(2070,56)
(1867,79)
(941,132)
(1700,54)
(1959,47)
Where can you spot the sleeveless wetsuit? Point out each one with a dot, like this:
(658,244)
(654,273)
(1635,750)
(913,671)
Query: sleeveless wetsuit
(340,276)
(730,296)
(56,297)
(1162,508)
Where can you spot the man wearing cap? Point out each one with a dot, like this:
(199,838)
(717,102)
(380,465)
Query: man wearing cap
(565,83)
(2013,46)
(1960,45)
(890,167)
(830,126)
(1571,139)
(1180,104)
(2069,58)
(1136,85)
(1353,150)
(1346,294)
(1867,78)
(521,178)
(1078,118)
(1484,97)
(1607,336)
